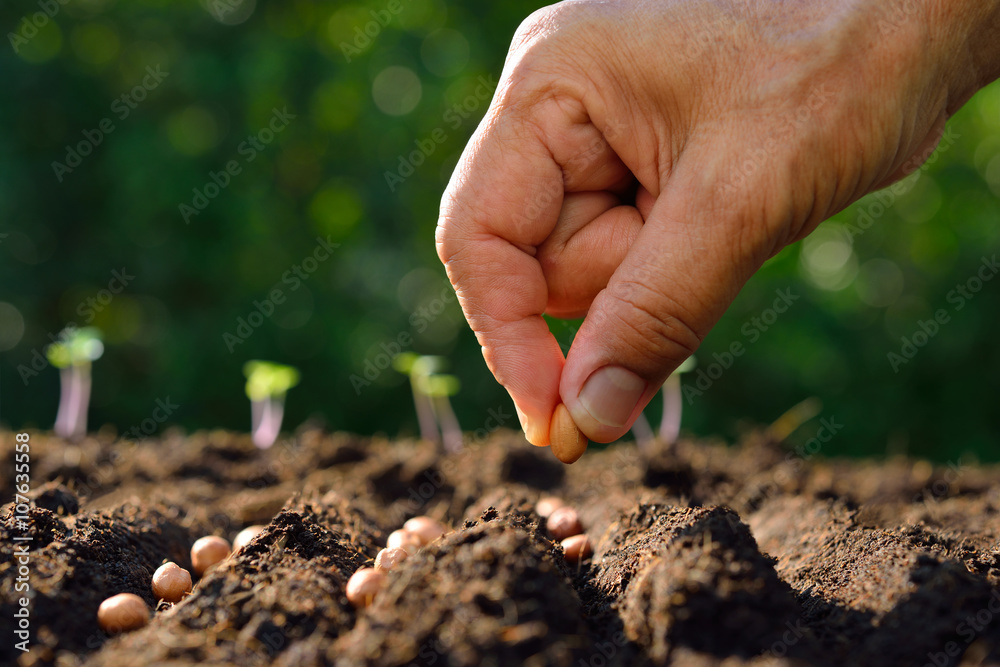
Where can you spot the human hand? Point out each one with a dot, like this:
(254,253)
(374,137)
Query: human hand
(640,161)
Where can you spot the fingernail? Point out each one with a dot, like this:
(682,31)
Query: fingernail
(611,394)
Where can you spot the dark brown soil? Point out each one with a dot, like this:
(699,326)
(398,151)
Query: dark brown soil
(704,555)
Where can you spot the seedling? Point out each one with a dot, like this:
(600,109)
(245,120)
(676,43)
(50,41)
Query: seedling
(416,367)
(670,425)
(267,384)
(439,387)
(795,417)
(72,355)
(431,390)
(673,402)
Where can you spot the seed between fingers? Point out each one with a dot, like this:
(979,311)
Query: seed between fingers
(568,443)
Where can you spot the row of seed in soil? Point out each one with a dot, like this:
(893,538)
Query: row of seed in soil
(170,584)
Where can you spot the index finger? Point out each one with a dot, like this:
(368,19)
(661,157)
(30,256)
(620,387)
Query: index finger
(503,201)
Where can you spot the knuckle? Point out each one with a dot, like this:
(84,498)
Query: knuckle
(655,328)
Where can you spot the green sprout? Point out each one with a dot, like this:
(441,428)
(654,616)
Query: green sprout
(439,387)
(267,384)
(431,390)
(73,354)
(795,417)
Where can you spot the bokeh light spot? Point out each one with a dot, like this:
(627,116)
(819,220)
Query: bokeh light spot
(396,91)
(95,43)
(879,283)
(336,209)
(11,326)
(828,259)
(192,131)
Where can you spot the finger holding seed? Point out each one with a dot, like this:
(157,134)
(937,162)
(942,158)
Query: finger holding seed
(577,548)
(567,441)
(425,528)
(208,551)
(563,523)
(403,539)
(171,582)
(122,613)
(387,559)
(363,586)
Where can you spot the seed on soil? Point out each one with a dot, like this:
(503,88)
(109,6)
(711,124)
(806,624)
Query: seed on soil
(122,613)
(363,586)
(564,522)
(577,548)
(566,440)
(547,505)
(207,551)
(425,528)
(404,539)
(387,559)
(244,536)
(171,582)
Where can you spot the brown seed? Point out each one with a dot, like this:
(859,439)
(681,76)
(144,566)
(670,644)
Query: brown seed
(171,582)
(403,539)
(425,528)
(568,443)
(122,613)
(563,523)
(244,536)
(207,551)
(363,586)
(576,548)
(388,559)
(546,506)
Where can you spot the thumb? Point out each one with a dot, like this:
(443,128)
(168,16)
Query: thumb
(693,255)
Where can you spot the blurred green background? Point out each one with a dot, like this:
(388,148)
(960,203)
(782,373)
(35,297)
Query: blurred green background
(202,84)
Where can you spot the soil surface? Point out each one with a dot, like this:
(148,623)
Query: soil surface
(704,554)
